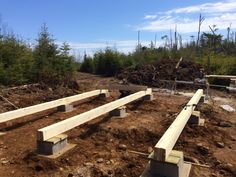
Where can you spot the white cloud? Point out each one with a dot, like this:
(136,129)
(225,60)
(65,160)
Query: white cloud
(221,13)
(124,46)
(151,17)
(224,6)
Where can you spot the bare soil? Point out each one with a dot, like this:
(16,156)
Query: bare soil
(104,145)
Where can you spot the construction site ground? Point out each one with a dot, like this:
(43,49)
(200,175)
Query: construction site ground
(116,147)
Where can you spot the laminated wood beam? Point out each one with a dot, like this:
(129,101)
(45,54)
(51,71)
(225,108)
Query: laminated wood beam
(165,145)
(65,125)
(127,87)
(221,76)
(48,105)
(134,88)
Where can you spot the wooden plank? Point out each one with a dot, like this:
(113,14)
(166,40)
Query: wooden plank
(177,65)
(165,145)
(127,87)
(124,87)
(9,102)
(65,125)
(48,105)
(221,76)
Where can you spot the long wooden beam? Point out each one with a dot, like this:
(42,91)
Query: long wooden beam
(127,87)
(221,76)
(48,105)
(164,146)
(65,125)
(132,87)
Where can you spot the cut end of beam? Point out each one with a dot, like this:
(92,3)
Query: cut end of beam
(40,135)
(159,154)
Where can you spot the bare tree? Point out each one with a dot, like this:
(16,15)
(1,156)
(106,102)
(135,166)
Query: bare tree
(171,41)
(201,19)
(165,37)
(192,41)
(180,41)
(228,32)
(235,37)
(155,41)
(176,39)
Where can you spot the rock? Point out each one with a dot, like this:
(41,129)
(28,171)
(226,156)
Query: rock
(220,144)
(100,160)
(103,154)
(217,162)
(202,149)
(191,159)
(167,115)
(4,162)
(88,164)
(122,146)
(213,175)
(150,149)
(70,175)
(227,108)
(225,124)
(16,102)
(105,174)
(108,162)
(228,167)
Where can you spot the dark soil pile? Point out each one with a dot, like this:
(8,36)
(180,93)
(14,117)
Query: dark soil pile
(152,74)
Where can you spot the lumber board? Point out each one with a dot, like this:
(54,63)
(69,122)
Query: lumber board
(221,76)
(48,105)
(165,145)
(129,87)
(65,125)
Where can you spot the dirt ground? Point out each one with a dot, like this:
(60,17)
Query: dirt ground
(104,146)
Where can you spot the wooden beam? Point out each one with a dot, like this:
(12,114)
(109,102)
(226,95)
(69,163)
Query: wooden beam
(132,87)
(48,105)
(221,76)
(165,145)
(127,87)
(65,125)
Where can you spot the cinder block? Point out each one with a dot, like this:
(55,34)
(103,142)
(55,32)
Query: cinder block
(120,112)
(173,166)
(104,95)
(149,97)
(52,145)
(195,119)
(65,108)
(202,99)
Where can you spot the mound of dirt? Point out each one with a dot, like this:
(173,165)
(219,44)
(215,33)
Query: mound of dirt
(152,74)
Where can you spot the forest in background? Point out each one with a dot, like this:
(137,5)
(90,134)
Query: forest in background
(48,63)
(212,50)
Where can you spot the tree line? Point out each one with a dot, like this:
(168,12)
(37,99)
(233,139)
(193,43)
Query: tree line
(45,62)
(216,53)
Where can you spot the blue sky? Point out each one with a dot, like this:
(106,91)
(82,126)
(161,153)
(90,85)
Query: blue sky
(90,25)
